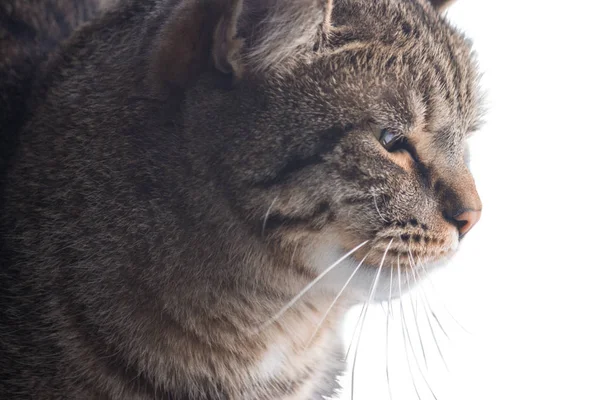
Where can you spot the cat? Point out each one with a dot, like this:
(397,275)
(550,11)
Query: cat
(198,180)
(29,31)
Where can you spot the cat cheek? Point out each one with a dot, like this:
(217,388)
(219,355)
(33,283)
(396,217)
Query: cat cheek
(402,159)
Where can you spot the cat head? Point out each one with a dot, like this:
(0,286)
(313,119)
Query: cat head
(332,123)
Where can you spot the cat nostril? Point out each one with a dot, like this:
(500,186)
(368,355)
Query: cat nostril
(465,220)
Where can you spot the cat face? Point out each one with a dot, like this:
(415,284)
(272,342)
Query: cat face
(350,129)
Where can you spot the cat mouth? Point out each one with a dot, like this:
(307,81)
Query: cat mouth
(405,258)
(407,251)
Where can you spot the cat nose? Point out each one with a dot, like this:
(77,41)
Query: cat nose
(459,200)
(465,220)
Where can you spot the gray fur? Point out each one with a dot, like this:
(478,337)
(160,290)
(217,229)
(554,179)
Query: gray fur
(137,256)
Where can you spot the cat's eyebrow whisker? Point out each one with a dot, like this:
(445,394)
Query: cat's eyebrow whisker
(335,300)
(264,225)
(364,317)
(309,286)
(415,308)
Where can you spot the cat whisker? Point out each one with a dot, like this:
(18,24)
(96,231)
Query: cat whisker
(355,331)
(383,307)
(293,253)
(387,333)
(415,308)
(334,301)
(430,281)
(399,280)
(412,375)
(405,335)
(428,311)
(433,314)
(377,207)
(439,324)
(364,317)
(437,345)
(264,225)
(309,286)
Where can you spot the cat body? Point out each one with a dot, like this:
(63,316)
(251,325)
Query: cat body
(190,166)
(29,31)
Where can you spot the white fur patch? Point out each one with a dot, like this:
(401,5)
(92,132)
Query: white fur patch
(358,288)
(272,362)
(328,252)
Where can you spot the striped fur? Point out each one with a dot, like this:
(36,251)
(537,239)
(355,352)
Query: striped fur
(189,166)
(29,31)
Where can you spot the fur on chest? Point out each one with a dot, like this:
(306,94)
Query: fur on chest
(290,370)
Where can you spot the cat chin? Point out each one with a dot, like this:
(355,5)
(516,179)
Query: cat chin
(358,284)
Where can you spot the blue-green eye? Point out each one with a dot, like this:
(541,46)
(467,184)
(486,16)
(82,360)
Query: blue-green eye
(389,140)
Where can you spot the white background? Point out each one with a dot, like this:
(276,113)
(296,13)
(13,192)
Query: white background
(526,283)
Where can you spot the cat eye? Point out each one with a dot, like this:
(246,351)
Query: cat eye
(391,141)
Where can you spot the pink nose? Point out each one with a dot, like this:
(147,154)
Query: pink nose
(466,220)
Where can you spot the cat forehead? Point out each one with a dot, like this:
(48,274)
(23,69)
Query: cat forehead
(398,64)
(389,20)
(423,67)
(420,71)
(416,86)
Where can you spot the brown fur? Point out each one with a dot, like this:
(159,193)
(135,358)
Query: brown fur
(29,31)
(186,165)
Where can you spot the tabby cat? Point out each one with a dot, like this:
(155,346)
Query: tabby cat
(29,31)
(197,181)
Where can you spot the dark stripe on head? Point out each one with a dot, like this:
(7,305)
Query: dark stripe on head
(328,140)
(313,219)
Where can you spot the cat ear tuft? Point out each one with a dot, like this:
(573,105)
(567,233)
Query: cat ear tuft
(237,36)
(260,35)
(184,42)
(441,5)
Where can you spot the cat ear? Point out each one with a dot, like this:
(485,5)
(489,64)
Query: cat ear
(259,35)
(237,36)
(441,5)
(183,46)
